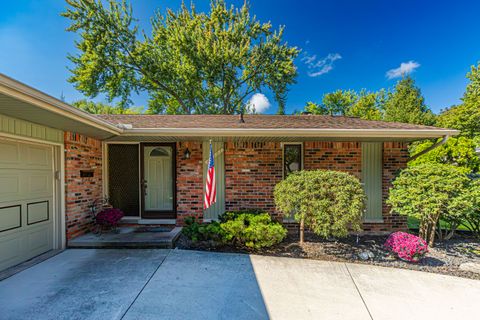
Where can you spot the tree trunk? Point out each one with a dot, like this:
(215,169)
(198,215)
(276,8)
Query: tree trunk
(302,230)
(422,232)
(439,231)
(431,235)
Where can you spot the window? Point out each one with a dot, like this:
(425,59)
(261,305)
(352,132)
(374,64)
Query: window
(292,158)
(160,152)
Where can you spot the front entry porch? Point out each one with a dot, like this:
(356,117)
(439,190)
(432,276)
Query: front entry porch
(140,237)
(162,182)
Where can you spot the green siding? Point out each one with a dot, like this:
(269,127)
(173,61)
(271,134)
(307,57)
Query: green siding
(217,208)
(372,179)
(29,130)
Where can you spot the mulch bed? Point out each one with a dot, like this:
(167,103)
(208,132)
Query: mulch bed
(444,258)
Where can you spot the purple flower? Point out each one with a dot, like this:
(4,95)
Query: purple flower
(109,217)
(406,246)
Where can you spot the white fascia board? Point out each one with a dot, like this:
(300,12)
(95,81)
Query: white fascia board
(238,132)
(23,92)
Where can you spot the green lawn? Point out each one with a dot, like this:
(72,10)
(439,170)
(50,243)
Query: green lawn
(413,223)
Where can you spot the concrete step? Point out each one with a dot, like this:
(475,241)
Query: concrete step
(128,237)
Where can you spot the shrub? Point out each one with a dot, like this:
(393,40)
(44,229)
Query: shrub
(254,231)
(427,192)
(203,232)
(232,215)
(109,217)
(406,246)
(331,203)
(468,205)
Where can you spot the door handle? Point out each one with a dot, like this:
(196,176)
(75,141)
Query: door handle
(144,186)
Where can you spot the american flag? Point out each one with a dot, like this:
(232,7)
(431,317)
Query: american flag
(211,188)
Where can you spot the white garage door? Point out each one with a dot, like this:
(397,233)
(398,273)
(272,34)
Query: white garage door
(26,201)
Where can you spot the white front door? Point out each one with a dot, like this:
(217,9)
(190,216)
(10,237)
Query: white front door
(26,201)
(158,180)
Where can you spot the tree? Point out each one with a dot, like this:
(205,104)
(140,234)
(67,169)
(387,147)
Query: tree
(457,151)
(368,106)
(330,203)
(334,103)
(102,108)
(191,63)
(406,104)
(363,105)
(315,108)
(426,192)
(466,116)
(339,102)
(469,204)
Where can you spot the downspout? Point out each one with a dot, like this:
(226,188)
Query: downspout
(433,146)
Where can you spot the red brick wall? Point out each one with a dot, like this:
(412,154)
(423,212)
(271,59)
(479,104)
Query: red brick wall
(189,181)
(395,158)
(340,156)
(253,168)
(251,171)
(81,153)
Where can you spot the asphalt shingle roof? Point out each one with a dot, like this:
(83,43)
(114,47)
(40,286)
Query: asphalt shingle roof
(256,122)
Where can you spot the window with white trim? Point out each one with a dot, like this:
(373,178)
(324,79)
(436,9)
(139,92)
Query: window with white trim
(292,158)
(292,161)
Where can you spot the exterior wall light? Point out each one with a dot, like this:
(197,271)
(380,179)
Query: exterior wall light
(186,154)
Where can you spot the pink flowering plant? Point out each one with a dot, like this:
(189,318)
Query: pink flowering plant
(406,246)
(109,217)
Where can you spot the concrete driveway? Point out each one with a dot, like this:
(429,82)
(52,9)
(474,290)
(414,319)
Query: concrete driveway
(177,284)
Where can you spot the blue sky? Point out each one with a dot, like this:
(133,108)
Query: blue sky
(345,44)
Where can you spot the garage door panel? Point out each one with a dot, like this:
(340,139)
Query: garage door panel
(25,156)
(39,240)
(10,217)
(26,201)
(11,251)
(10,154)
(17,185)
(38,157)
(9,185)
(38,212)
(39,183)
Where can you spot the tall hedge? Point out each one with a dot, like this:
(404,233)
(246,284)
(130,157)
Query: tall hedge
(330,203)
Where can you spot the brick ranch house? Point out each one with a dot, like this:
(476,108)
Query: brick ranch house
(56,160)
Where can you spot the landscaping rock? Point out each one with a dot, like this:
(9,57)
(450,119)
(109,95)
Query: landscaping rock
(365,255)
(445,257)
(470,267)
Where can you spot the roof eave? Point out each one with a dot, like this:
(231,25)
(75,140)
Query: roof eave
(23,92)
(350,133)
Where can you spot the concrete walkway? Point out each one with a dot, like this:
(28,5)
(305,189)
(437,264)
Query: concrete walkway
(176,284)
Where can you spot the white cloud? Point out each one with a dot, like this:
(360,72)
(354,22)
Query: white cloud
(317,67)
(405,68)
(258,102)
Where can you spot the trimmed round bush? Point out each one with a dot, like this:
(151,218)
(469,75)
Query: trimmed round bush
(406,246)
(330,203)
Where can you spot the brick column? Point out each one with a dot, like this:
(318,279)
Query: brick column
(189,181)
(81,153)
